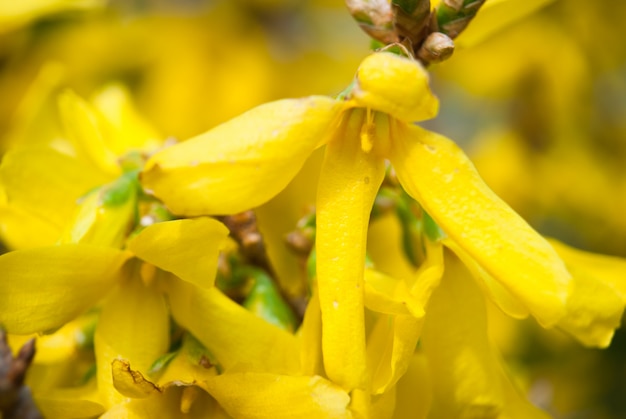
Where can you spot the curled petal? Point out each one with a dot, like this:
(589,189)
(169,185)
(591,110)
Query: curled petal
(171,245)
(348,184)
(244,162)
(396,86)
(44,288)
(436,172)
(271,396)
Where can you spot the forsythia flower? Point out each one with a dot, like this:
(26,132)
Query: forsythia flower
(248,160)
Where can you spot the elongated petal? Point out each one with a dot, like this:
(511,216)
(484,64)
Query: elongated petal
(244,162)
(230,332)
(271,396)
(461,361)
(46,183)
(187,248)
(434,171)
(349,182)
(43,288)
(396,86)
(596,305)
(133,325)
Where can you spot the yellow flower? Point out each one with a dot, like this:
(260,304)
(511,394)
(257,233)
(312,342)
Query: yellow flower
(246,161)
(83,263)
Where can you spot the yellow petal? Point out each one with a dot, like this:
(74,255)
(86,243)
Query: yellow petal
(496,15)
(106,216)
(171,245)
(608,269)
(384,294)
(596,304)
(461,360)
(413,392)
(516,406)
(395,85)
(348,184)
(140,341)
(21,229)
(429,274)
(131,383)
(230,332)
(46,183)
(278,217)
(384,247)
(69,403)
(435,172)
(126,129)
(44,288)
(506,301)
(83,126)
(390,348)
(311,338)
(244,162)
(270,396)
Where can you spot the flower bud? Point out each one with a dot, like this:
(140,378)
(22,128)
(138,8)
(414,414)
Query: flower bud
(395,85)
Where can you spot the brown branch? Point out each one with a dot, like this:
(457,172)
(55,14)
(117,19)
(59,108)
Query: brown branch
(244,230)
(16,401)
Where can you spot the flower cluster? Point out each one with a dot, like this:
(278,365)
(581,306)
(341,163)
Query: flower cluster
(157,281)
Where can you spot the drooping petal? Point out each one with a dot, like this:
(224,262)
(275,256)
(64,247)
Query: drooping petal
(46,183)
(596,304)
(43,288)
(271,396)
(230,332)
(435,172)
(134,325)
(349,182)
(464,373)
(187,248)
(396,86)
(244,162)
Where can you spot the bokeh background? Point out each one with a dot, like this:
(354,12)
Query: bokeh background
(540,106)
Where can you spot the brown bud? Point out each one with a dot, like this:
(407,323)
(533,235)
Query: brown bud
(436,48)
